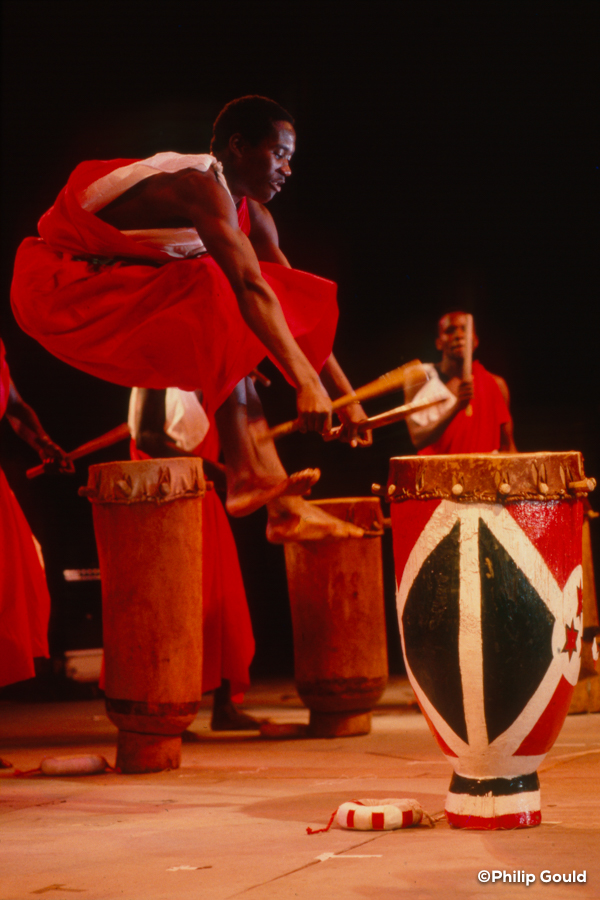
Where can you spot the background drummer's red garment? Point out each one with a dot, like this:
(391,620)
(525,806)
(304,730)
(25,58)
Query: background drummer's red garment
(228,642)
(24,598)
(4,380)
(479,432)
(157,322)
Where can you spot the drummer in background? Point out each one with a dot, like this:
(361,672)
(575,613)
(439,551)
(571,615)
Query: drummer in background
(24,598)
(170,423)
(475,416)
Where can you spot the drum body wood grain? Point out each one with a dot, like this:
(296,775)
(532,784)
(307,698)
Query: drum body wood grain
(487,551)
(338,616)
(148,525)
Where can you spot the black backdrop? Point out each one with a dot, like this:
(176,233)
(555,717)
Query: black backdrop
(445,159)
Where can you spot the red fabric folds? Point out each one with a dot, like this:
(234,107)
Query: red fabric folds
(157,322)
(479,432)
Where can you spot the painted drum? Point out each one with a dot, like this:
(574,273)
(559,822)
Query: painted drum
(487,549)
(338,617)
(148,525)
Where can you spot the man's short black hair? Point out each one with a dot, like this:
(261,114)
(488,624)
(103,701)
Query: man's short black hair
(251,116)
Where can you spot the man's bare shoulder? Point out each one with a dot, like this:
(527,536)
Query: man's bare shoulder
(263,234)
(261,220)
(168,199)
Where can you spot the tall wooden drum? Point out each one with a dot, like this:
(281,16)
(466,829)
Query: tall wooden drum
(487,550)
(338,617)
(148,525)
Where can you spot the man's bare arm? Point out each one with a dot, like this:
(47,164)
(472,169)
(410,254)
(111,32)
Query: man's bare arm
(198,199)
(24,422)
(337,385)
(265,240)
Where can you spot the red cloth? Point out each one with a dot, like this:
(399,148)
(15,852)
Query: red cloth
(24,597)
(4,380)
(167,323)
(479,432)
(228,642)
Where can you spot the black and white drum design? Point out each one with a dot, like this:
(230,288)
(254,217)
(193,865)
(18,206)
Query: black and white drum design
(487,551)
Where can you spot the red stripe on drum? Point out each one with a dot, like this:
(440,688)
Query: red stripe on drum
(377,821)
(495,823)
(408,818)
(408,521)
(350,819)
(555,531)
(547,728)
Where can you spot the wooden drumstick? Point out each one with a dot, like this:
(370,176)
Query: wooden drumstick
(385,384)
(387,418)
(105,440)
(468,356)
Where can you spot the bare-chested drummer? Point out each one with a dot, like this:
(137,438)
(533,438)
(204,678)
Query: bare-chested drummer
(167,272)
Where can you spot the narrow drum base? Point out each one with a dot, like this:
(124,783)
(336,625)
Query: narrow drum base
(338,724)
(147,752)
(490,804)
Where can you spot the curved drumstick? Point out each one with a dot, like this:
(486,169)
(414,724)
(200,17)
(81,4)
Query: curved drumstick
(385,384)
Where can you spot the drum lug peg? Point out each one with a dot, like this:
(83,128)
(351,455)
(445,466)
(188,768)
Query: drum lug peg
(378,490)
(391,490)
(457,489)
(502,483)
(535,475)
(543,488)
(586,484)
(164,482)
(123,487)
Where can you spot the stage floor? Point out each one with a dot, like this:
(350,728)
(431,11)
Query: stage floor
(231,822)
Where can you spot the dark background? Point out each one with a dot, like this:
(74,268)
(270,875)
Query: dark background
(447,157)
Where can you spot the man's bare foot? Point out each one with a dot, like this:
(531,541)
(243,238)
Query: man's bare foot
(293,519)
(228,718)
(243,499)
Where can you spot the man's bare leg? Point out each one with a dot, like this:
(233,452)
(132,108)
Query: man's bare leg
(293,519)
(253,469)
(255,476)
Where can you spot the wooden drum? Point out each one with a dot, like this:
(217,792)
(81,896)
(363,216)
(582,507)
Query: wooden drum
(148,525)
(338,617)
(487,550)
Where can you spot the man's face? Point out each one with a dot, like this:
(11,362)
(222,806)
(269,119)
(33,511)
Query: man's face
(262,170)
(452,335)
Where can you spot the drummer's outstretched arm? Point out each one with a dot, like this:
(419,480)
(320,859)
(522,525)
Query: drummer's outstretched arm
(338,385)
(24,422)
